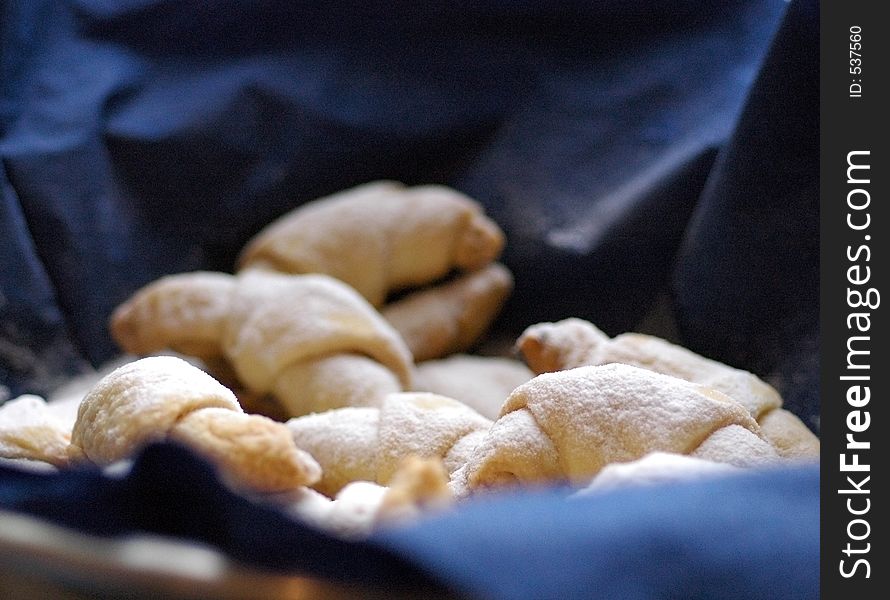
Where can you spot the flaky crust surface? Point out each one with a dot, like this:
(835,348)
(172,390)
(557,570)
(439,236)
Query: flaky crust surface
(571,343)
(450,317)
(370,444)
(29,430)
(568,425)
(275,333)
(379,237)
(140,402)
(164,397)
(481,382)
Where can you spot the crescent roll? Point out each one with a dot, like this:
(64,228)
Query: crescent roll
(382,238)
(164,397)
(451,317)
(30,430)
(419,486)
(369,444)
(654,469)
(309,340)
(379,237)
(480,382)
(573,342)
(568,425)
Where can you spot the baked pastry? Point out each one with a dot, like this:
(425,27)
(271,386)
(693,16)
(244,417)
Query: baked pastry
(30,430)
(382,238)
(309,340)
(480,382)
(573,343)
(654,469)
(451,317)
(568,425)
(369,444)
(379,237)
(164,397)
(419,486)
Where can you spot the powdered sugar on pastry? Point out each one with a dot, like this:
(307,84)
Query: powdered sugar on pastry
(370,444)
(354,512)
(574,342)
(334,381)
(654,469)
(737,446)
(140,402)
(418,487)
(568,425)
(480,382)
(789,436)
(274,333)
(164,397)
(280,320)
(30,430)
(379,237)
(343,441)
(180,312)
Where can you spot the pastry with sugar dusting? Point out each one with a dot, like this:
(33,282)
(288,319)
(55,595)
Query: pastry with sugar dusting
(379,237)
(31,431)
(310,341)
(166,398)
(656,468)
(418,487)
(573,343)
(382,238)
(450,318)
(566,426)
(481,382)
(368,444)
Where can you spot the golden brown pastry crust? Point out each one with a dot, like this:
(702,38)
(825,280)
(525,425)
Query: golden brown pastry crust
(140,402)
(164,397)
(369,444)
(791,438)
(185,313)
(278,320)
(572,343)
(568,425)
(252,451)
(29,430)
(278,333)
(379,237)
(418,485)
(451,317)
(480,382)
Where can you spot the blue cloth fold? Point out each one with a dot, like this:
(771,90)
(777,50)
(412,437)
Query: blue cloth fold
(747,536)
(753,535)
